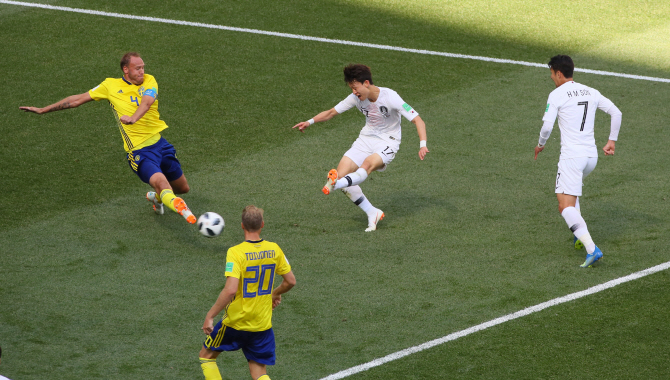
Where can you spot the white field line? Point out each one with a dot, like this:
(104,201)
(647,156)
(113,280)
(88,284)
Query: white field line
(319,39)
(494,322)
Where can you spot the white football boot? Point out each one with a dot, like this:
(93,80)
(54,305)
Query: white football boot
(158,206)
(373,218)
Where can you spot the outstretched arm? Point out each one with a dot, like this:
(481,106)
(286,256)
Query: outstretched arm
(285,286)
(69,102)
(224,299)
(323,116)
(421,130)
(146,103)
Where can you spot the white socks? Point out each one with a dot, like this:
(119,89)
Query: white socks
(374,214)
(353,179)
(356,195)
(578,227)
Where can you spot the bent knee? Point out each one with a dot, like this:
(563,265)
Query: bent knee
(183,189)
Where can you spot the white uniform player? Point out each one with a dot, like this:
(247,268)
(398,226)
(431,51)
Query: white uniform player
(382,133)
(575,106)
(378,142)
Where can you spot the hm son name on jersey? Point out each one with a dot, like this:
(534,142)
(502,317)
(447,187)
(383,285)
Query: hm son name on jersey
(578,93)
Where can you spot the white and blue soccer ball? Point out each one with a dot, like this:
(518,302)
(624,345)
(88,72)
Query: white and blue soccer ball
(211,224)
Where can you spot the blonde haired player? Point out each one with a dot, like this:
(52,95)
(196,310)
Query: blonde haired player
(248,299)
(378,142)
(133,99)
(575,106)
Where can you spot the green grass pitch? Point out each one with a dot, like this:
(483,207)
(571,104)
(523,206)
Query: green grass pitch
(94,285)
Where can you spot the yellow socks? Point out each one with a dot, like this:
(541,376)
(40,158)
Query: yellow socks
(210,369)
(177,205)
(167,196)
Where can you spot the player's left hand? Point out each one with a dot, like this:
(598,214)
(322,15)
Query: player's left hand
(125,119)
(276,300)
(422,152)
(538,149)
(609,148)
(208,326)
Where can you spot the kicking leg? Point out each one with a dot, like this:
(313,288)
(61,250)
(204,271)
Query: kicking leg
(371,163)
(346,166)
(180,185)
(167,197)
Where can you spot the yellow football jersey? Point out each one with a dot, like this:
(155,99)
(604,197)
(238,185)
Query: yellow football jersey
(125,97)
(255,264)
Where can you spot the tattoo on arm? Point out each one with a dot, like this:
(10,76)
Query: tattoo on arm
(60,106)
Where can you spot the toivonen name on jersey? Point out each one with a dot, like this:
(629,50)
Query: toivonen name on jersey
(260,255)
(578,93)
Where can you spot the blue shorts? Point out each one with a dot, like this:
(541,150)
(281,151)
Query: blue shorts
(157,158)
(258,346)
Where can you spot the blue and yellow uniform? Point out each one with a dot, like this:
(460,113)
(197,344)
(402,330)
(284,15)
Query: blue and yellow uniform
(142,140)
(247,321)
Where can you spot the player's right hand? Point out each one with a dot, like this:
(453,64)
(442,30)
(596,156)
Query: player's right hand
(538,149)
(301,126)
(31,109)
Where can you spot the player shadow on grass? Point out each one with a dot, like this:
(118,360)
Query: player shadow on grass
(409,203)
(622,220)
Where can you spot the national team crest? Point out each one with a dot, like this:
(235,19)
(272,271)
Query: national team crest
(137,158)
(384,111)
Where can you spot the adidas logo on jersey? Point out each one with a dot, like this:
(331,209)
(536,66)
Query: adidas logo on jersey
(120,92)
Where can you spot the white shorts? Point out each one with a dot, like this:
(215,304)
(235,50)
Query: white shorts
(571,172)
(365,146)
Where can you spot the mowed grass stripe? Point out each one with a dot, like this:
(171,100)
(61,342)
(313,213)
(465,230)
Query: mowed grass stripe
(497,321)
(325,40)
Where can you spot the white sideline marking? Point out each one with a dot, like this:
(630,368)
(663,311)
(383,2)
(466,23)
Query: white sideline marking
(319,39)
(497,321)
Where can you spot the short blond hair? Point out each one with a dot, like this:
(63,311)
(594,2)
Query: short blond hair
(252,218)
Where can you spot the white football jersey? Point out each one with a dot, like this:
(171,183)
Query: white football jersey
(382,117)
(575,105)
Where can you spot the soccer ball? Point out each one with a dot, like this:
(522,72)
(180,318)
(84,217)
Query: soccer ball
(210,224)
